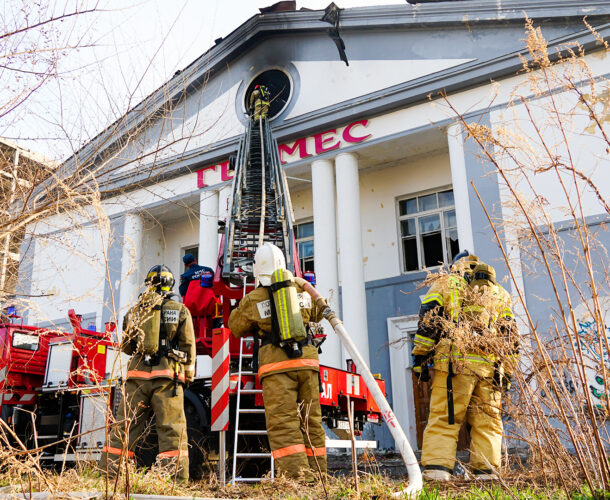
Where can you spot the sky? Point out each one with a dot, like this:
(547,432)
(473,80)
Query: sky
(127,49)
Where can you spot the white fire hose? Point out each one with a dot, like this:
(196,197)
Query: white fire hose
(415,478)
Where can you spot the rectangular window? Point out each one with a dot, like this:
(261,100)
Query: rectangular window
(25,341)
(304,237)
(428,230)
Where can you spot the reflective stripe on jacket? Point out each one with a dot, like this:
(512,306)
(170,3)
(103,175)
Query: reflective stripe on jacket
(250,317)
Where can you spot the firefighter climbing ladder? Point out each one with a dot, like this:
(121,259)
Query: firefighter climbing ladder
(239,410)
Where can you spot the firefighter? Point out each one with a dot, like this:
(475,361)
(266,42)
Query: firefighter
(193,272)
(259,102)
(288,366)
(467,386)
(158,334)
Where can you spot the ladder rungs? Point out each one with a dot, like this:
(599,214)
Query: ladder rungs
(248,373)
(252,479)
(253,455)
(251,391)
(250,432)
(251,410)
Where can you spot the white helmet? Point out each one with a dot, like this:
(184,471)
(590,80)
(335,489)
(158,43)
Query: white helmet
(267,259)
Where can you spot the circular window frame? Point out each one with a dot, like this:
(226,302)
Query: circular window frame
(290,94)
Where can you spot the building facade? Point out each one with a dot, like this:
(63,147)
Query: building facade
(381,172)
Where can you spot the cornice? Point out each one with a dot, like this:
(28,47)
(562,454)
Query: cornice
(369,18)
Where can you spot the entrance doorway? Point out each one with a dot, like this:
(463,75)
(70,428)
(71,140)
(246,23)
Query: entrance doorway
(411,397)
(400,336)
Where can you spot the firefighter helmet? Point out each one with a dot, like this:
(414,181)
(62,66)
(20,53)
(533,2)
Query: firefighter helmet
(464,263)
(483,274)
(267,259)
(161,277)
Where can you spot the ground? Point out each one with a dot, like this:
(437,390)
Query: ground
(379,476)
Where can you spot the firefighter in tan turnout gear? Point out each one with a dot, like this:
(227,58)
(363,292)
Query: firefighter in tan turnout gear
(259,102)
(279,311)
(158,334)
(467,324)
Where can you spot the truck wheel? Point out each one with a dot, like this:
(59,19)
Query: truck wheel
(198,430)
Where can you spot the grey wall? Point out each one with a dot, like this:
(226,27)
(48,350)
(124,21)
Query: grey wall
(483,175)
(398,296)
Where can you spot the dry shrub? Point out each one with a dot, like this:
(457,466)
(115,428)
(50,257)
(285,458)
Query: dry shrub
(559,408)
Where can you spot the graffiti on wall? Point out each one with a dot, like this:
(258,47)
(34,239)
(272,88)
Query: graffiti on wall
(596,356)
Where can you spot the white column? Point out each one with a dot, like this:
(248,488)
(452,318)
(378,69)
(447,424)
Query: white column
(131,276)
(351,269)
(208,228)
(460,187)
(325,251)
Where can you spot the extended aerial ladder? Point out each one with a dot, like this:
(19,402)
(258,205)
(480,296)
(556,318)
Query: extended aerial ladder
(261,210)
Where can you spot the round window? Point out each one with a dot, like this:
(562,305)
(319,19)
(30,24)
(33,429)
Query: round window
(279,86)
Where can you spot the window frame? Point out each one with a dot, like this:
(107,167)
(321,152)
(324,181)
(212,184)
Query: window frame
(25,334)
(307,220)
(416,216)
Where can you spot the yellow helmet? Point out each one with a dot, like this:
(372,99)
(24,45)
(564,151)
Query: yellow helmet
(464,264)
(161,277)
(483,274)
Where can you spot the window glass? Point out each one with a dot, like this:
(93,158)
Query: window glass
(409,248)
(428,202)
(306,249)
(407,207)
(445,199)
(428,231)
(450,219)
(305,230)
(453,246)
(429,223)
(304,239)
(432,245)
(25,341)
(407,227)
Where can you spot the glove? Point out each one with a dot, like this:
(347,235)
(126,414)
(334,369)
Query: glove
(321,302)
(189,375)
(420,368)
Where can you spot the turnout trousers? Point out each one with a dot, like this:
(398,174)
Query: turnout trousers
(142,397)
(294,423)
(261,108)
(476,401)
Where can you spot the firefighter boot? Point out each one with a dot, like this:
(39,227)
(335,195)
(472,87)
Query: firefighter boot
(436,475)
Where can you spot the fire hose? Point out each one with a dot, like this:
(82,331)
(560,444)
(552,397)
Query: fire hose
(415,478)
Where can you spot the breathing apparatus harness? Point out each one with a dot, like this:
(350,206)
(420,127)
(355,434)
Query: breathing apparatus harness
(287,329)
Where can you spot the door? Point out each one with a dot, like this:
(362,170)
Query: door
(400,335)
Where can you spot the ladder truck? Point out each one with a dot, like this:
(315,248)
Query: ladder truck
(76,374)
(260,211)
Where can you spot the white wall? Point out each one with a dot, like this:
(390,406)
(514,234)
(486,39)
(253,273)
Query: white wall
(302,204)
(70,268)
(378,192)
